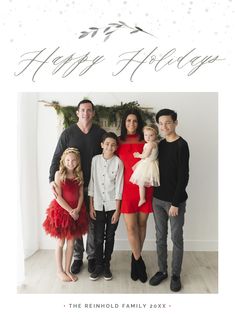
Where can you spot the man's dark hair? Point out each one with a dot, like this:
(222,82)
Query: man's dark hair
(166,112)
(111,135)
(86,101)
(139,131)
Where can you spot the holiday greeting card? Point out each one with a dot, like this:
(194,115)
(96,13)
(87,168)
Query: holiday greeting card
(117,57)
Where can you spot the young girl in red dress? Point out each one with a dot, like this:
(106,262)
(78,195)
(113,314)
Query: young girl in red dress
(66,217)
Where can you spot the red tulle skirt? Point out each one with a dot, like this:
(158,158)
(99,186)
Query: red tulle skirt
(60,224)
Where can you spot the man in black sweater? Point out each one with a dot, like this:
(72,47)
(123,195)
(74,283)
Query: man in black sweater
(170,197)
(86,137)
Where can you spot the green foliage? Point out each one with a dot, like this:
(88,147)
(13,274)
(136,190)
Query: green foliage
(113,114)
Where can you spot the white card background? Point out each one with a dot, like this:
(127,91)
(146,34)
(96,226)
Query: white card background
(30,26)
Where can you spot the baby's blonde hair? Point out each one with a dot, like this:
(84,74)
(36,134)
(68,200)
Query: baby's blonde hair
(151,127)
(77,170)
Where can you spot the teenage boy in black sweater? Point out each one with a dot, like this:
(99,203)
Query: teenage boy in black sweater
(170,197)
(86,137)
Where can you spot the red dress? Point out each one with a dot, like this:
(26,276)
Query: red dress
(130,196)
(58,221)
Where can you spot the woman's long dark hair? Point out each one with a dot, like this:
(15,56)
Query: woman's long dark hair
(139,131)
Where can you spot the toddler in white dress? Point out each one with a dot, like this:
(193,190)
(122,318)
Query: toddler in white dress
(146,171)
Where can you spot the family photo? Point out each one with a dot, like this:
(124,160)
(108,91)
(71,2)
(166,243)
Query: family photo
(118,192)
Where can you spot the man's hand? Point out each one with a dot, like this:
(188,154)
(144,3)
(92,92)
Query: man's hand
(53,188)
(173,211)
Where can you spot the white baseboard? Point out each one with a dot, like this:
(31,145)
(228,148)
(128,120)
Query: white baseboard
(30,252)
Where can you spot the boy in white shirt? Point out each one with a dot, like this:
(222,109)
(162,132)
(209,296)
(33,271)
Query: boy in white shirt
(105,191)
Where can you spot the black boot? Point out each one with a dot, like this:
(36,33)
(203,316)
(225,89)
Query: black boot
(141,270)
(134,273)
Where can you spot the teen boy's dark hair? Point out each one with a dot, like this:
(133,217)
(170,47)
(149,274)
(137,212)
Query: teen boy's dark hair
(85,101)
(166,111)
(109,135)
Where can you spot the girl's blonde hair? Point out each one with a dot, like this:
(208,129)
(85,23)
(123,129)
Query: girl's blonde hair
(151,127)
(77,170)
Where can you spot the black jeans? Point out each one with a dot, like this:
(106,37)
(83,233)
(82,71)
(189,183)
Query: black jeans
(104,232)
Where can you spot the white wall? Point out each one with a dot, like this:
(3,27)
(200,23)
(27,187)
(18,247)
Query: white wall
(198,124)
(28,177)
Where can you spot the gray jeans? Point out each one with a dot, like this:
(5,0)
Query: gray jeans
(160,209)
(90,244)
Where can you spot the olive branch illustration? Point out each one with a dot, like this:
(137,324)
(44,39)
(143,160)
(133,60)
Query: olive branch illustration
(112,28)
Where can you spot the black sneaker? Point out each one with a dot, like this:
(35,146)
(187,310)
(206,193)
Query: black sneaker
(91,265)
(175,283)
(97,273)
(157,278)
(107,273)
(76,266)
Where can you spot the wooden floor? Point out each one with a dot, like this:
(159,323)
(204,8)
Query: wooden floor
(199,275)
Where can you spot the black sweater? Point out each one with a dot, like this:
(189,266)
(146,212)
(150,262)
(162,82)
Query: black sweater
(174,171)
(88,145)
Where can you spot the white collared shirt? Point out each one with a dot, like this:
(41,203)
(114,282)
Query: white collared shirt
(106,182)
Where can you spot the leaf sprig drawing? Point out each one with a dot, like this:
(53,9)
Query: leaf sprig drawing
(110,29)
